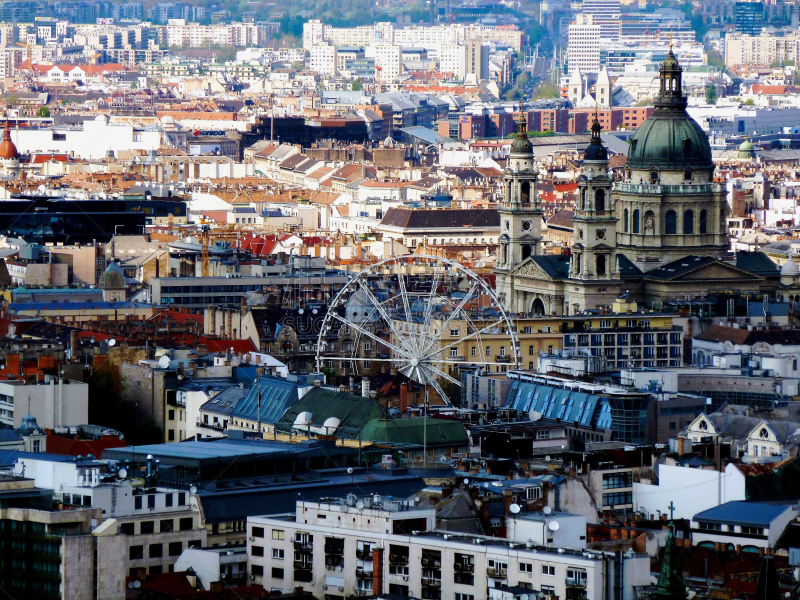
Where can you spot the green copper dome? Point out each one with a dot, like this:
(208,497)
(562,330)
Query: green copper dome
(112,278)
(670,139)
(521,144)
(746,149)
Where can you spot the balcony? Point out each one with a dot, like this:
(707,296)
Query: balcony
(575,582)
(432,563)
(364,554)
(334,550)
(463,567)
(683,189)
(362,574)
(301,565)
(431,582)
(398,559)
(303,546)
(497,573)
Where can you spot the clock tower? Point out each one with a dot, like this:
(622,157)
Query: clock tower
(520,217)
(593,271)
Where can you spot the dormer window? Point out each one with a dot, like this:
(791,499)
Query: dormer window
(687,147)
(687,175)
(653,176)
(763,434)
(703,426)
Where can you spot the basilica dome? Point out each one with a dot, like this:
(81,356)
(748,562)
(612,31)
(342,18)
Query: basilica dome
(670,139)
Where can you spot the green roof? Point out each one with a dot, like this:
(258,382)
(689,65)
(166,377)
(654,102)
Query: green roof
(441,432)
(353,412)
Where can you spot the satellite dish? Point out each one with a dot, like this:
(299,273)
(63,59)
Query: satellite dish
(359,505)
(163,362)
(466,481)
(112,342)
(553,525)
(137,584)
(497,484)
(535,415)
(514,508)
(349,470)
(123,472)
(547,510)
(486,485)
(547,458)
(193,489)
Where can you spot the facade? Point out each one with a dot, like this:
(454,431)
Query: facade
(323,60)
(660,232)
(54,403)
(583,49)
(380,545)
(742,526)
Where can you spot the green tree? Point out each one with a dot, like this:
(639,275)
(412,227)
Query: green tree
(748,102)
(357,85)
(715,60)
(546,90)
(711,94)
(44,112)
(523,79)
(512,94)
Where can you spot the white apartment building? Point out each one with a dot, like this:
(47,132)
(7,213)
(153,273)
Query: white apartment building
(54,402)
(606,14)
(323,60)
(583,49)
(462,60)
(388,58)
(379,545)
(313,31)
(741,49)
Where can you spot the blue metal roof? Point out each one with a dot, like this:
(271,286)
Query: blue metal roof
(277,394)
(562,404)
(743,513)
(16,306)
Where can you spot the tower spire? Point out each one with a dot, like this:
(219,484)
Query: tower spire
(671,585)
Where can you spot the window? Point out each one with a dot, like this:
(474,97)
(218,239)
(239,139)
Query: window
(453,351)
(167,499)
(137,503)
(257,570)
(147,527)
(703,221)
(259,533)
(182,499)
(502,350)
(605,324)
(752,530)
(171,435)
(474,351)
(460,596)
(367,346)
(530,350)
(277,573)
(136,552)
(525,567)
(601,265)
(533,493)
(671,223)
(277,554)
(126,528)
(653,176)
(543,434)
(688,222)
(636,221)
(186,523)
(59,137)
(488,351)
(156,550)
(613,481)
(194,544)
(165,525)
(625,220)
(454,332)
(548,590)
(617,499)
(256,550)
(277,534)
(711,526)
(548,570)
(171,415)
(151,501)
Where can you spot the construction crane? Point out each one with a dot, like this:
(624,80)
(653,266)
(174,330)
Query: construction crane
(378,70)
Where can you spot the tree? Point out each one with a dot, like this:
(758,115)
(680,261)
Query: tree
(546,90)
(749,102)
(43,113)
(357,85)
(711,94)
(523,79)
(715,60)
(512,94)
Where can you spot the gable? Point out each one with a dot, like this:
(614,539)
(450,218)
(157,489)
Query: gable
(702,425)
(718,271)
(530,269)
(763,433)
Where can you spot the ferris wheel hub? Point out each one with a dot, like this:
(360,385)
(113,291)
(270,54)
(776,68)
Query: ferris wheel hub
(414,362)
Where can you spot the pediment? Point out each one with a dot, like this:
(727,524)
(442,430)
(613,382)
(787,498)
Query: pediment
(718,270)
(529,268)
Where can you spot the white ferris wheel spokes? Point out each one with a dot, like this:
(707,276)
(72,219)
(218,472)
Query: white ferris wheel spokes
(424,314)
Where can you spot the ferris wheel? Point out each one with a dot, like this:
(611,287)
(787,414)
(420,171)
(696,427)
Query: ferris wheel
(423,316)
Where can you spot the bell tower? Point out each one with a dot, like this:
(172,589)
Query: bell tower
(594,242)
(520,214)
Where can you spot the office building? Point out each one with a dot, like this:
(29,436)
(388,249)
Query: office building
(583,49)
(381,545)
(748,17)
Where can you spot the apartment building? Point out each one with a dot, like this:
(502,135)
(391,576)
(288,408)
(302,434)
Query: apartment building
(388,59)
(323,59)
(583,49)
(341,548)
(764,49)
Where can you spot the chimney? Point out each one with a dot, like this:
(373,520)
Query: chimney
(377,571)
(73,344)
(507,501)
(365,387)
(403,397)
(680,446)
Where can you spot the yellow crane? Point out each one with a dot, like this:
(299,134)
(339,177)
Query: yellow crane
(30,64)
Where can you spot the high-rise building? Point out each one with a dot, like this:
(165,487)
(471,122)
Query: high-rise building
(583,49)
(323,60)
(748,17)
(606,14)
(387,57)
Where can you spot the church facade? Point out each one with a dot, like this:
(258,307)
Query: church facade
(659,234)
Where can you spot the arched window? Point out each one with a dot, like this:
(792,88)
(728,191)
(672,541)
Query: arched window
(601,265)
(577,263)
(625,220)
(670,222)
(688,221)
(505,253)
(526,251)
(525,192)
(687,175)
(600,201)
(794,365)
(703,221)
(583,199)
(636,221)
